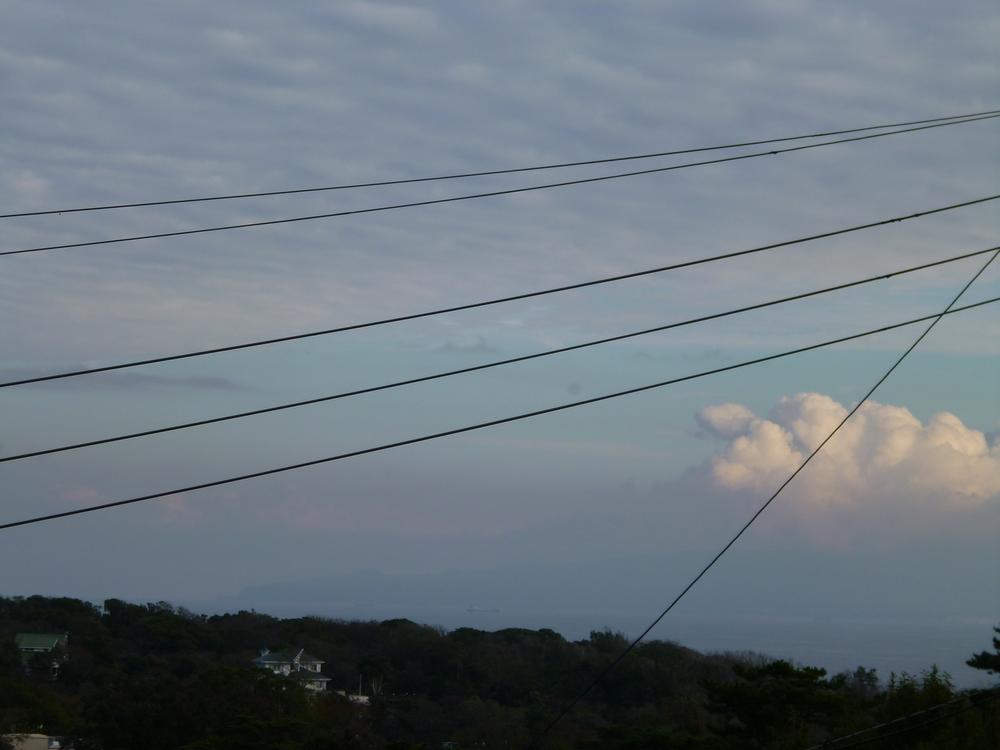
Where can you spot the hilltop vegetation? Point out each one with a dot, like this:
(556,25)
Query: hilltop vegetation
(161,678)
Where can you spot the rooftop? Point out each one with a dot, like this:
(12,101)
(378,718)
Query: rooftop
(36,641)
(287,656)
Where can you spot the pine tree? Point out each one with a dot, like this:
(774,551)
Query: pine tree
(986,660)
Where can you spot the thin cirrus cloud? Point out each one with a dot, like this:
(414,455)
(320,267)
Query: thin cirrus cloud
(192,98)
(884,454)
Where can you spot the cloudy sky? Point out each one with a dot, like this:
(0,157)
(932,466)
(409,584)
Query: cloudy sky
(110,102)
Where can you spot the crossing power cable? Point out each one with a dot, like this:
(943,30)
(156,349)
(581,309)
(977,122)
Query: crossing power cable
(493,423)
(488,194)
(907,730)
(489,365)
(934,714)
(494,301)
(491,172)
(711,563)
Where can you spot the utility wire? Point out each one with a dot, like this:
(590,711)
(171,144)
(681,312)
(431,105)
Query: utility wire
(969,701)
(491,423)
(492,172)
(906,730)
(488,365)
(855,736)
(628,649)
(490,194)
(496,300)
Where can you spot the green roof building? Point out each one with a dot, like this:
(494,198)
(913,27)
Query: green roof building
(32,644)
(41,643)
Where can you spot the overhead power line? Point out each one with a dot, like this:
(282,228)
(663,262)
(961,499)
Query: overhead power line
(489,365)
(496,300)
(736,537)
(908,729)
(490,423)
(492,172)
(933,714)
(488,194)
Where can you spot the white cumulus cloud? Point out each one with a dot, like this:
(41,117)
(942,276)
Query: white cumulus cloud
(727,420)
(884,453)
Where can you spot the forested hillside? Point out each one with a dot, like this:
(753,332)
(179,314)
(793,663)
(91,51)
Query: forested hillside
(159,678)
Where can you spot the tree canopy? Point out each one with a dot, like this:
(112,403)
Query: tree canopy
(162,678)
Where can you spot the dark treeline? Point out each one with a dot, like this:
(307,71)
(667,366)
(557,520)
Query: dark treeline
(162,678)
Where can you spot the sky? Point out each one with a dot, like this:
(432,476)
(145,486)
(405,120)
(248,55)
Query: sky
(896,521)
